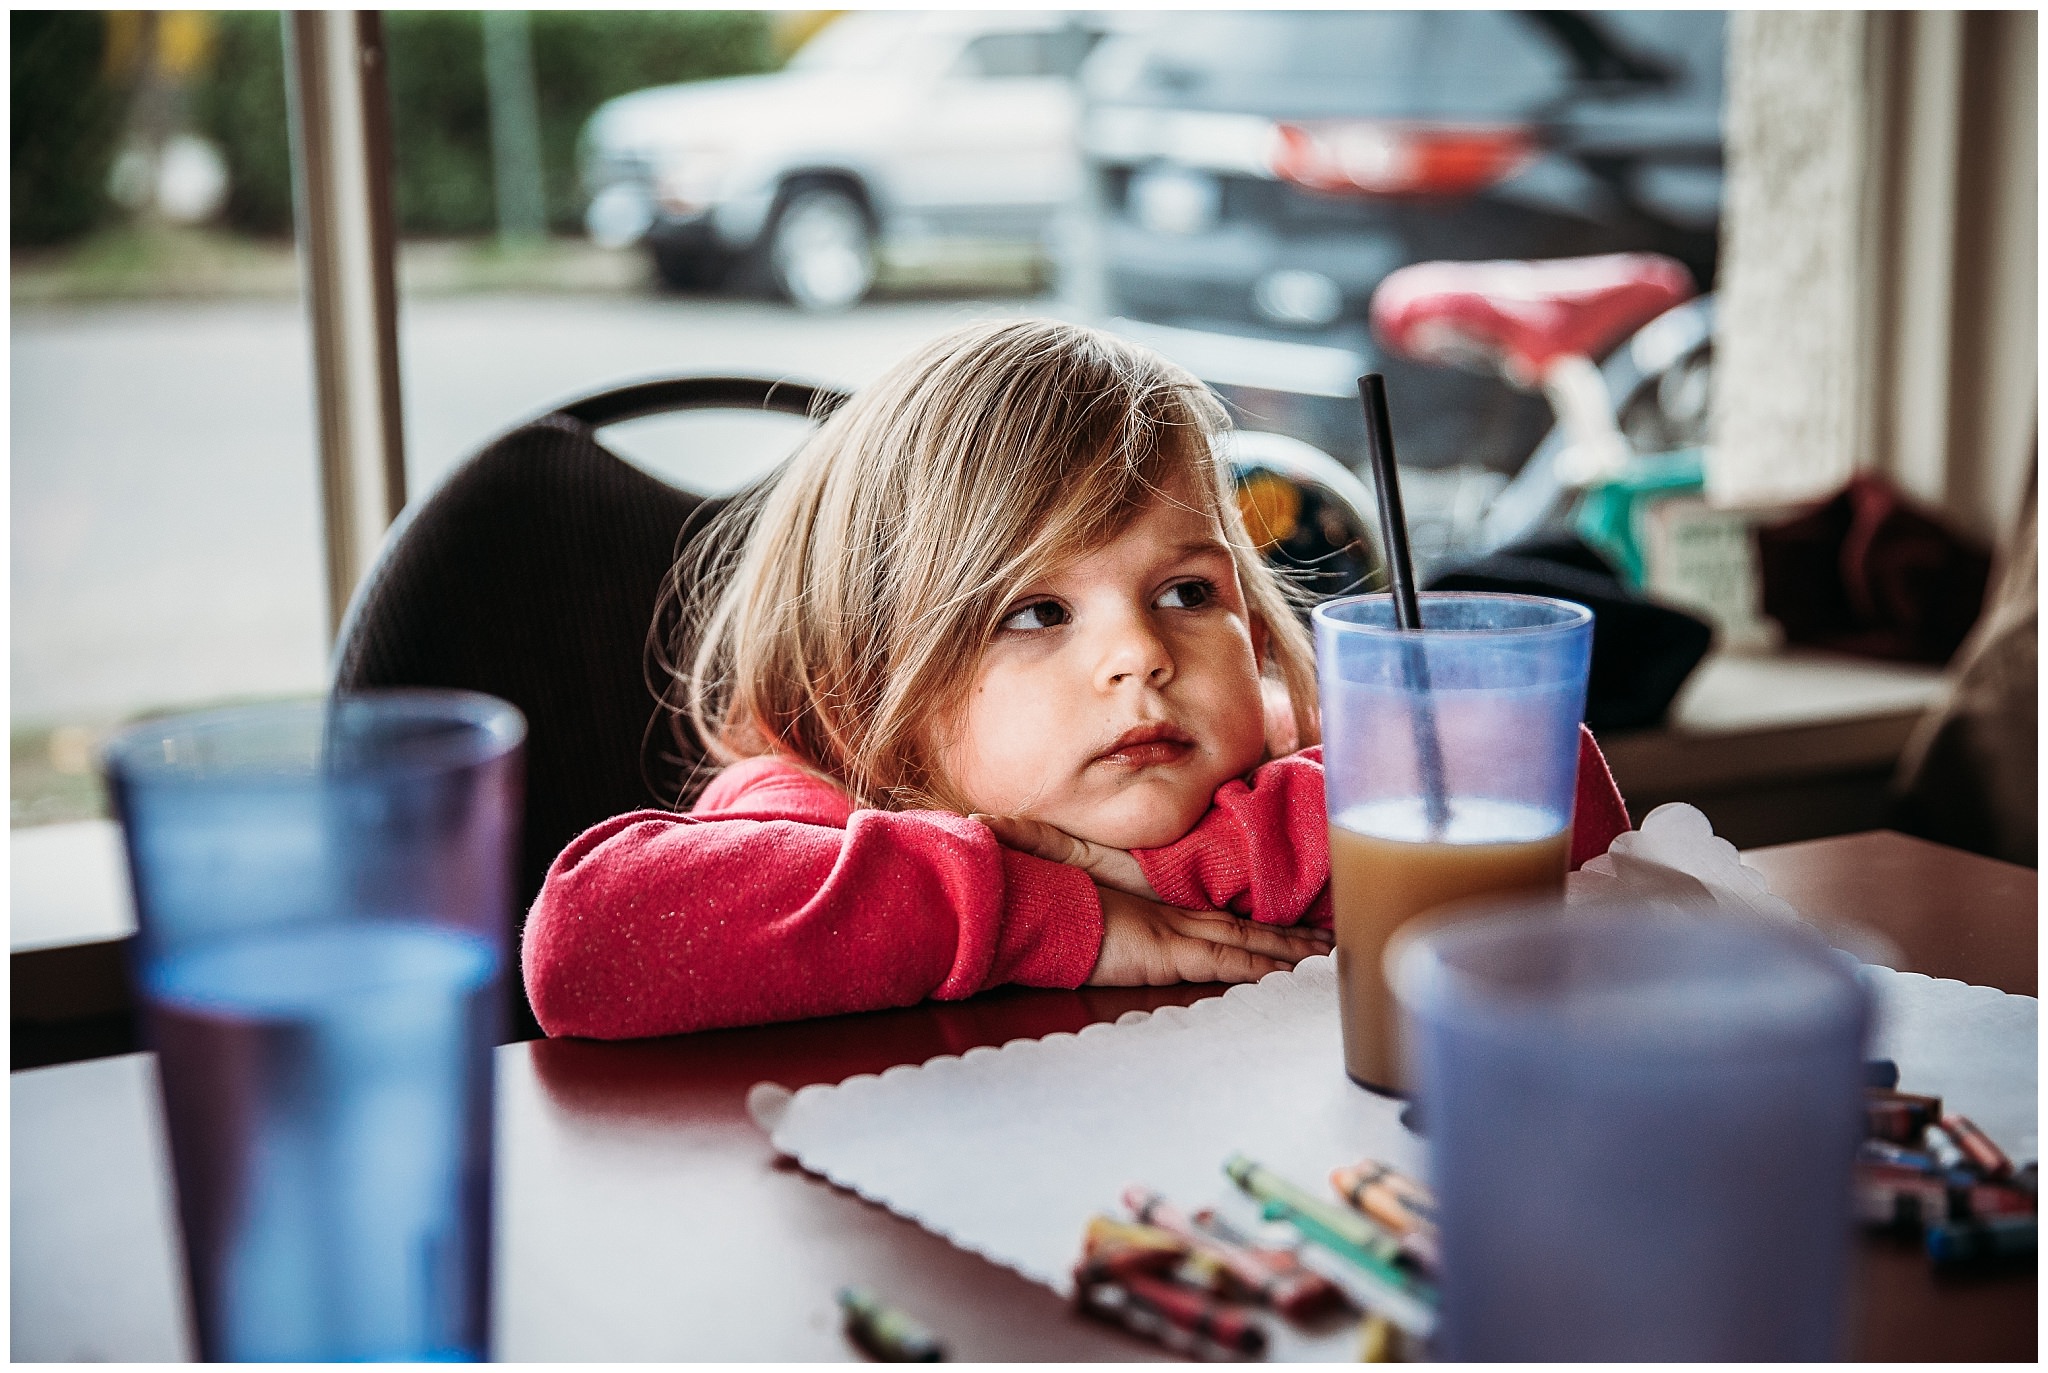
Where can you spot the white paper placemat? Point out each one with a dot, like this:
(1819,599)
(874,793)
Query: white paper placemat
(1007,1152)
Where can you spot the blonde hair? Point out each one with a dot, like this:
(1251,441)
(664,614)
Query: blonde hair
(868,578)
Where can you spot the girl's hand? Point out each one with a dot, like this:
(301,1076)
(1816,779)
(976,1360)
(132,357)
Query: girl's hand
(1113,868)
(1146,944)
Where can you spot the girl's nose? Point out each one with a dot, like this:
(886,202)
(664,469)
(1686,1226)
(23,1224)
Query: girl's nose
(1134,651)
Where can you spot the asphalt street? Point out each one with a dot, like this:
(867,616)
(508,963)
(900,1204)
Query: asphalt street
(165,521)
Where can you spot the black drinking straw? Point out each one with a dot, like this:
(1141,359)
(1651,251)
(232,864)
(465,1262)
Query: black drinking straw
(1379,447)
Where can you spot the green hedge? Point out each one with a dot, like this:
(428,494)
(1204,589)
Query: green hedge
(240,104)
(66,123)
(440,107)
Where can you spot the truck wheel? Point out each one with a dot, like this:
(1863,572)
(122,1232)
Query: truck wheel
(821,252)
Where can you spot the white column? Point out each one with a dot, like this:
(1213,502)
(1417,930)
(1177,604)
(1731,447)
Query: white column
(1879,260)
(1791,359)
(341,182)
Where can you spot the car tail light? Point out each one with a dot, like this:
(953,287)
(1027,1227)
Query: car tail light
(1381,157)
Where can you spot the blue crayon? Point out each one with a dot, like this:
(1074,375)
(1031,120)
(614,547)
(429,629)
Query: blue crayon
(1989,1237)
(1884,1151)
(1880,1072)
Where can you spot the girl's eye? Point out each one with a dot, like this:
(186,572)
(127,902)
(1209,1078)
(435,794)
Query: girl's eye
(1037,615)
(1187,595)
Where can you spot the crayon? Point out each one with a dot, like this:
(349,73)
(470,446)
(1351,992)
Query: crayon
(1272,1275)
(1972,1241)
(1411,1305)
(1373,1254)
(1883,1151)
(1228,1325)
(1209,1223)
(1378,1340)
(1894,1176)
(1947,1154)
(1355,1230)
(1880,1072)
(1986,1157)
(1120,1244)
(1904,1203)
(1112,1302)
(1898,1116)
(885,1332)
(1398,1202)
(1373,1267)
(1203,1269)
(1989,1199)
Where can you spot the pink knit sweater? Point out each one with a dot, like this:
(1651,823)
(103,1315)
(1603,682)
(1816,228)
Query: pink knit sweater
(776,900)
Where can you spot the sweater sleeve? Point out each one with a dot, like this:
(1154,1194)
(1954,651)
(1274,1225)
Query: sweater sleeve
(1261,850)
(654,923)
(1599,815)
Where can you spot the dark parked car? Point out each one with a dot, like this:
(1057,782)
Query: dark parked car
(1257,173)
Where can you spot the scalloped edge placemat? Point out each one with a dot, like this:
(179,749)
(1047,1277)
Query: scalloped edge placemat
(1007,1152)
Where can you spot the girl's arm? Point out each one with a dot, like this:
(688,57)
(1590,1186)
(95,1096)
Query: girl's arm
(654,923)
(1263,850)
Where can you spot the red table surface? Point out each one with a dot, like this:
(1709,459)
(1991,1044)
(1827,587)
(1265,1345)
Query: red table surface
(644,1216)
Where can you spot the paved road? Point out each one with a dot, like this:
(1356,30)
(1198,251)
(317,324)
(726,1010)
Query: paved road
(166,546)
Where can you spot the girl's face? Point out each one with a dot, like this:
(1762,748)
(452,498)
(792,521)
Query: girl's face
(1120,690)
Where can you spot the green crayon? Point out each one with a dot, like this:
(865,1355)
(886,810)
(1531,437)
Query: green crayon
(1352,1227)
(1313,1229)
(1345,1233)
(885,1332)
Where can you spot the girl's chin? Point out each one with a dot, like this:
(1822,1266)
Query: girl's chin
(1139,822)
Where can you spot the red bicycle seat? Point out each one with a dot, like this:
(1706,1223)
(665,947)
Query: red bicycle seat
(1522,316)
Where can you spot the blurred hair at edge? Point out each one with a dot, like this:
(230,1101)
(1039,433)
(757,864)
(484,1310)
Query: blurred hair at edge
(870,574)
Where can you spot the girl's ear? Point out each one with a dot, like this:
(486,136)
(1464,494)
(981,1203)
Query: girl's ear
(1262,639)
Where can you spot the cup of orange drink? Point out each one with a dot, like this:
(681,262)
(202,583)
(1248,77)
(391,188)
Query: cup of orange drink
(1450,760)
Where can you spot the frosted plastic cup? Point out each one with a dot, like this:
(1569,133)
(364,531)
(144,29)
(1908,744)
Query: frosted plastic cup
(323,893)
(1642,1124)
(1450,761)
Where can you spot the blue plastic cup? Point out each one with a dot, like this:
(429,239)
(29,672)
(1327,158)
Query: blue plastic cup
(1642,1124)
(1450,761)
(324,892)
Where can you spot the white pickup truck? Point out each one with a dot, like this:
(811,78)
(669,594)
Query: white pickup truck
(888,133)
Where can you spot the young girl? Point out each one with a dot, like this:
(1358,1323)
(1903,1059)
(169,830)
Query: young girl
(1003,695)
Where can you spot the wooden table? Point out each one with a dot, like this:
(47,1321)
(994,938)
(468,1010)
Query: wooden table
(643,1216)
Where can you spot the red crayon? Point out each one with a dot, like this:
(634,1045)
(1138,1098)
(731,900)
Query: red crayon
(1230,1326)
(1907,1202)
(1990,1199)
(1274,1275)
(1986,1157)
(1898,1116)
(1110,1301)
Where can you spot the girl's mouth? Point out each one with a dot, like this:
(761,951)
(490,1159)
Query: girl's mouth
(1147,746)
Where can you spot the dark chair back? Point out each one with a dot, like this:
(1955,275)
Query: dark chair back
(533,573)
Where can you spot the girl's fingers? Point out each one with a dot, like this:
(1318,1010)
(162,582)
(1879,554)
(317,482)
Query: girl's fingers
(1288,942)
(1110,867)
(1203,961)
(1034,837)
